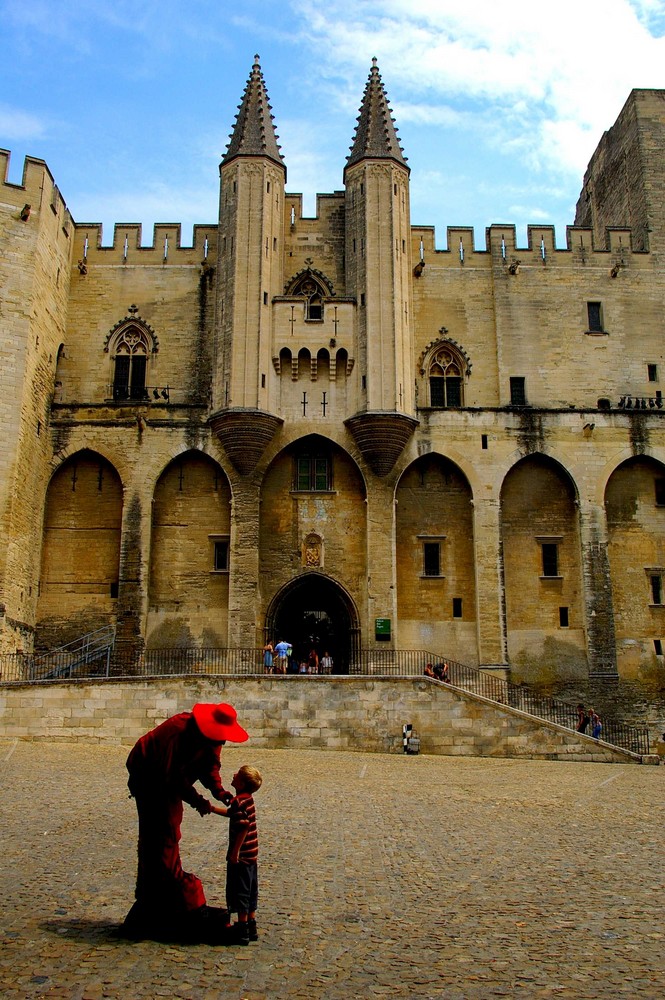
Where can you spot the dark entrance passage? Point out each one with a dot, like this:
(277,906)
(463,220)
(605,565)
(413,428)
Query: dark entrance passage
(312,611)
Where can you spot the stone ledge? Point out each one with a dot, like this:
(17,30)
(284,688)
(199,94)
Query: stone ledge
(297,714)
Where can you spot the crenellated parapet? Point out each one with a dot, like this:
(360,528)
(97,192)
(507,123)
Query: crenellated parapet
(36,192)
(501,247)
(127,246)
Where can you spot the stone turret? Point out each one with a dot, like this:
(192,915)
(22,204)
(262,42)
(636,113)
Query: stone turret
(378,257)
(250,274)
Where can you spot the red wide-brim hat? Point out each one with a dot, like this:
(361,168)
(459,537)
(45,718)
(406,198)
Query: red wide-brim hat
(219,722)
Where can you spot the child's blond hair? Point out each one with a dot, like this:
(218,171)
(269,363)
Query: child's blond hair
(251,777)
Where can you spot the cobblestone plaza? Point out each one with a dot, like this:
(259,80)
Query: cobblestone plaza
(381,876)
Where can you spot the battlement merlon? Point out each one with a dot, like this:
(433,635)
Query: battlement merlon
(37,188)
(540,248)
(126,248)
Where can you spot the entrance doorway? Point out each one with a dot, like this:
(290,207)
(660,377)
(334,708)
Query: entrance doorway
(314,612)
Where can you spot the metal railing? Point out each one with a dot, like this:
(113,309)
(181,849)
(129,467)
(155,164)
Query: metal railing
(100,660)
(88,656)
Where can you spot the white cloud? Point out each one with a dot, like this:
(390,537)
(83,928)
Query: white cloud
(492,59)
(20,125)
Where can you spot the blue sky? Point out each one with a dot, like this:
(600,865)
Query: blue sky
(498,106)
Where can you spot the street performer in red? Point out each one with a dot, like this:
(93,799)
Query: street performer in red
(163,766)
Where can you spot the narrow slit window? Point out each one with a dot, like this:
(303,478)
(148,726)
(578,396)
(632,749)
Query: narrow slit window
(594,317)
(550,553)
(221,555)
(431,559)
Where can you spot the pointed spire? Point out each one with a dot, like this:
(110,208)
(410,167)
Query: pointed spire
(254,133)
(376,135)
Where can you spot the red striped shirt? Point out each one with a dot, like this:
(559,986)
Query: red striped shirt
(242,815)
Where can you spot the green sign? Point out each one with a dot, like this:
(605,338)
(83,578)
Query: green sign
(382,628)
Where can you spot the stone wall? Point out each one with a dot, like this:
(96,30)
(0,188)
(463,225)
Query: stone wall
(346,713)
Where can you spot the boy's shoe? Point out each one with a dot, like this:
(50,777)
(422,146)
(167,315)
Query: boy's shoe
(241,933)
(252,931)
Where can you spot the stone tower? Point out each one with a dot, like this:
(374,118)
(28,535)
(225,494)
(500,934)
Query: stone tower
(378,257)
(250,273)
(624,184)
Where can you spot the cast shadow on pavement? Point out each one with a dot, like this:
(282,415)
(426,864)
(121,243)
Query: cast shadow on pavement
(85,930)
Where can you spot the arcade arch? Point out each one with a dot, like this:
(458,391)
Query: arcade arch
(313,517)
(542,566)
(313,611)
(189,554)
(435,559)
(635,510)
(80,558)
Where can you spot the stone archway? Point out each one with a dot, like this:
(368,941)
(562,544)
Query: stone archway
(313,610)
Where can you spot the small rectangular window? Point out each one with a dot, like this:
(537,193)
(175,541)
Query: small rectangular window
(431,559)
(114,589)
(517,391)
(550,553)
(313,474)
(563,617)
(652,371)
(658,647)
(659,485)
(483,441)
(221,556)
(656,589)
(594,317)
(265,298)
(457,607)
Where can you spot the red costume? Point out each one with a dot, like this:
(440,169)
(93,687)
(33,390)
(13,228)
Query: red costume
(163,766)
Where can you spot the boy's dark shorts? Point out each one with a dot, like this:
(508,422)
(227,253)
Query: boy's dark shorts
(242,887)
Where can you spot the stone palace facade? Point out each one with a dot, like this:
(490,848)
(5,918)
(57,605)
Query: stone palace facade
(328,430)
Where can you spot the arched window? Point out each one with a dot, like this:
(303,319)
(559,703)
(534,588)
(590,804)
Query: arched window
(313,289)
(445,376)
(131,359)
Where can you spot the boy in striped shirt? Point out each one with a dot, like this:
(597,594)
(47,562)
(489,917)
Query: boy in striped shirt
(242,884)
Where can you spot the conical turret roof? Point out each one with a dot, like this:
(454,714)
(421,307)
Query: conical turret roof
(254,133)
(376,135)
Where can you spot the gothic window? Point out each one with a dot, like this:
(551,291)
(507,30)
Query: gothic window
(131,359)
(313,472)
(445,378)
(313,291)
